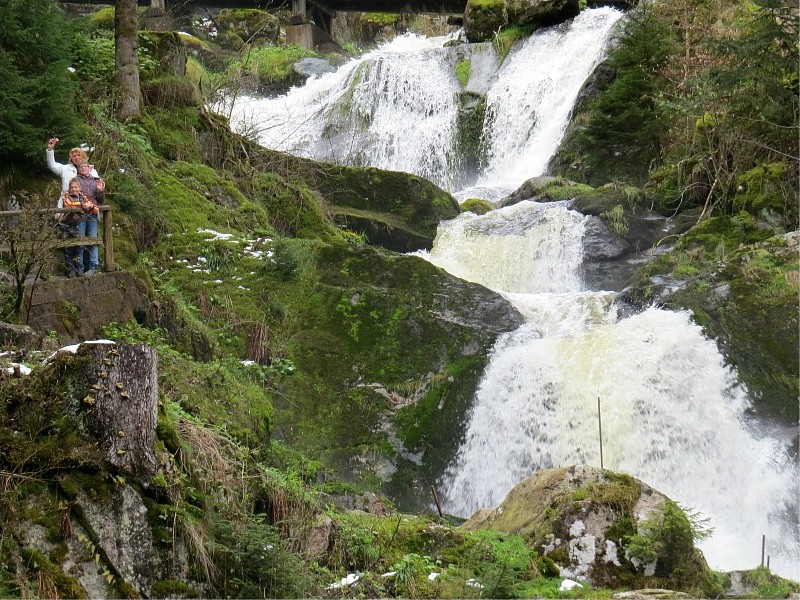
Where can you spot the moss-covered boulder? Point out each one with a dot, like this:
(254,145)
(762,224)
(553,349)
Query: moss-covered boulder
(78,309)
(610,529)
(389,350)
(524,13)
(483,18)
(395,210)
(249,25)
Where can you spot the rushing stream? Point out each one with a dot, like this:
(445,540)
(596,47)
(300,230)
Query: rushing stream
(674,415)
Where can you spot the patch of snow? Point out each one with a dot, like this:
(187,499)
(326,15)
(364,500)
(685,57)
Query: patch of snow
(349,580)
(215,235)
(22,369)
(568,584)
(433,576)
(72,349)
(474,583)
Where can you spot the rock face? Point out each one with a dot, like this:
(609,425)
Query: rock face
(484,18)
(593,524)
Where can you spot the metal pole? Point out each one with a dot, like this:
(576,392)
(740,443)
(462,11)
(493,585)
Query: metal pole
(763,544)
(600,427)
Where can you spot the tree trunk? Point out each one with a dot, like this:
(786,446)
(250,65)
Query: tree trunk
(126,44)
(121,408)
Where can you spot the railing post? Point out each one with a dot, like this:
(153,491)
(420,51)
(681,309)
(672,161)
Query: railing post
(108,240)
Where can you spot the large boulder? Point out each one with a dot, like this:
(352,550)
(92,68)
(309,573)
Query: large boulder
(250,25)
(609,529)
(79,309)
(392,348)
(540,12)
(483,19)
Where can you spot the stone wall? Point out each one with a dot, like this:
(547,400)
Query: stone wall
(78,309)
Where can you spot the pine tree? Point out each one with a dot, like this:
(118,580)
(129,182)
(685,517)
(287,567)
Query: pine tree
(624,132)
(38,96)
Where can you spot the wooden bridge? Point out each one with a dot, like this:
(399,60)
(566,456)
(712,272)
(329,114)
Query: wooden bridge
(311,19)
(446,7)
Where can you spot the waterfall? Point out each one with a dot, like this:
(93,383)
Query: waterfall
(397,107)
(529,105)
(674,414)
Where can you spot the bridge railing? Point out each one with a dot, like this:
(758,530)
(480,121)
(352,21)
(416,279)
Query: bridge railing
(106,241)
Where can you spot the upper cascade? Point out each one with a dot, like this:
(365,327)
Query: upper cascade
(398,107)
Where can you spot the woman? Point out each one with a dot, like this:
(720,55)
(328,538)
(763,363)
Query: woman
(65,171)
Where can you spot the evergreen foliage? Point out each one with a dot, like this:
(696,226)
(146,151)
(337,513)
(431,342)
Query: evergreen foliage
(38,95)
(624,134)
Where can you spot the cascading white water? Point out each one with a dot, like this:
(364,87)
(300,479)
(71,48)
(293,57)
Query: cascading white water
(673,413)
(528,107)
(394,108)
(397,107)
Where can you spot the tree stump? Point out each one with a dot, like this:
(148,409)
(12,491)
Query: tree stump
(120,408)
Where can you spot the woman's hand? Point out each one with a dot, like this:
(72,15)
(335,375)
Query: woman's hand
(101,185)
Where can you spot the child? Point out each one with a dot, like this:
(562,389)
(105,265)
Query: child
(94,188)
(75,198)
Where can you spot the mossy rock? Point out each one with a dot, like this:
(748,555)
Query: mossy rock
(395,210)
(373,340)
(482,18)
(477,206)
(249,24)
(587,521)
(522,13)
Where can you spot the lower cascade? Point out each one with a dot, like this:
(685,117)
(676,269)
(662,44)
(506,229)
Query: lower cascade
(673,413)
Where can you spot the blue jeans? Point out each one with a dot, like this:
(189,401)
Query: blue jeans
(74,254)
(90,253)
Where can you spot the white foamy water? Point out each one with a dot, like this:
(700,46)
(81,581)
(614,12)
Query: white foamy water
(672,411)
(528,107)
(397,107)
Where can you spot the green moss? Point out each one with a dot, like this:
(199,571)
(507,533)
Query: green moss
(559,556)
(484,17)
(477,206)
(104,17)
(165,430)
(292,209)
(69,315)
(36,562)
(379,19)
(164,588)
(273,65)
(505,40)
(173,132)
(463,70)
(768,186)
(95,486)
(769,585)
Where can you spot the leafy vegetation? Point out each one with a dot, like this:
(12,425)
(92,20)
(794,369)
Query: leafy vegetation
(268,315)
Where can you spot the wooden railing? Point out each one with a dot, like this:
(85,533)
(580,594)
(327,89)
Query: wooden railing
(105,241)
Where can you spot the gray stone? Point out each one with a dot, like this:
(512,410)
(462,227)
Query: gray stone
(308,66)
